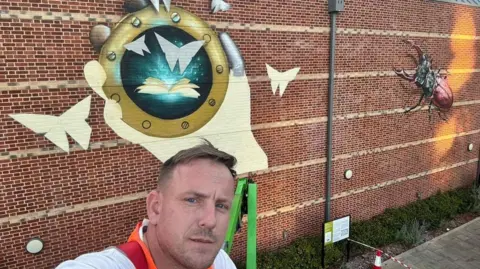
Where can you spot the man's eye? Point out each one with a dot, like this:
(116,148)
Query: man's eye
(222,206)
(191,200)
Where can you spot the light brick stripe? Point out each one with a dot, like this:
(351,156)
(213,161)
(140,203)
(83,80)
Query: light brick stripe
(7,155)
(361,153)
(57,16)
(280,124)
(141,195)
(71,209)
(45,15)
(56,150)
(360,190)
(34,85)
(404,145)
(26,85)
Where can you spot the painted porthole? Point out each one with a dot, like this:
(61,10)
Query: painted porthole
(175,98)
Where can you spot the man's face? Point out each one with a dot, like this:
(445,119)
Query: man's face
(194,213)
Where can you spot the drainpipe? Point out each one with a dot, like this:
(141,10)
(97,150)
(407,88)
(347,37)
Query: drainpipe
(478,170)
(334,6)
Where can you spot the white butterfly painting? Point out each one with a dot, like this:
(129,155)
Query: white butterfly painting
(182,55)
(156,4)
(56,128)
(220,5)
(281,79)
(138,46)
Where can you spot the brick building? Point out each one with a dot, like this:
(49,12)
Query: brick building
(85,200)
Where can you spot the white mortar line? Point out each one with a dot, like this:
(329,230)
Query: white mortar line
(65,16)
(71,209)
(141,195)
(360,190)
(357,115)
(69,84)
(120,142)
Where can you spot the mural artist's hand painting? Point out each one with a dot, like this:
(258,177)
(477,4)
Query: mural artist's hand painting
(169,80)
(188,217)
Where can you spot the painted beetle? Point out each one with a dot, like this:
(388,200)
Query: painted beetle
(434,85)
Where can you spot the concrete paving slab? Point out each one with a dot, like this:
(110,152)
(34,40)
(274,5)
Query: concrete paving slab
(458,248)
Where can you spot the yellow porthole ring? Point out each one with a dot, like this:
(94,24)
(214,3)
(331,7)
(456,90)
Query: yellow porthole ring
(125,32)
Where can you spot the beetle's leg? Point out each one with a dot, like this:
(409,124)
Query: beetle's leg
(430,110)
(416,47)
(410,77)
(418,104)
(401,73)
(442,116)
(443,69)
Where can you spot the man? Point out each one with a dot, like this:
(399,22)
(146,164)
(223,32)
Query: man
(188,216)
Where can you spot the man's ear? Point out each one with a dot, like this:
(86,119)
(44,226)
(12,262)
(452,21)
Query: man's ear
(154,206)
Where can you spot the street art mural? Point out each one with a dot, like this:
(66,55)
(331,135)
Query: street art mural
(434,86)
(168,80)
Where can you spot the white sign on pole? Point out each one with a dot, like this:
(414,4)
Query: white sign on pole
(337,230)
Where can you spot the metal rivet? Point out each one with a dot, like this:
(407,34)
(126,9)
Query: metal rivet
(146,124)
(212,102)
(207,38)
(185,125)
(111,56)
(470,147)
(219,69)
(115,97)
(348,174)
(175,17)
(136,22)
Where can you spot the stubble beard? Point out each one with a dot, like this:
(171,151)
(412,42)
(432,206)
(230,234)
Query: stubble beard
(187,257)
(191,258)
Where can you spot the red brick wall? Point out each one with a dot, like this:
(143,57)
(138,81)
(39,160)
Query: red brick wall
(52,52)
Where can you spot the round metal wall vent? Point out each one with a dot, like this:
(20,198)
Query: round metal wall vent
(34,246)
(348,174)
(470,147)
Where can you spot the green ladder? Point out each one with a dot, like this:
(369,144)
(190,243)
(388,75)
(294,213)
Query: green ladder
(244,202)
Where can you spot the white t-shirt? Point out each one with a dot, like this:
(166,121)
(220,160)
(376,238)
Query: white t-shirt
(112,258)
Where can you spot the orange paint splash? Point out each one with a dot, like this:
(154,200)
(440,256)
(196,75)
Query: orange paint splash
(463,49)
(446,128)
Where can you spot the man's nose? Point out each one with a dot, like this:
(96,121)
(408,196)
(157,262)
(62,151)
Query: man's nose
(208,218)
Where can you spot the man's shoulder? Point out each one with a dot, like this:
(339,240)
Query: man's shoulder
(223,261)
(110,258)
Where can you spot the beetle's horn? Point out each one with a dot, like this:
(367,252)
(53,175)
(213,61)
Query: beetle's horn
(415,46)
